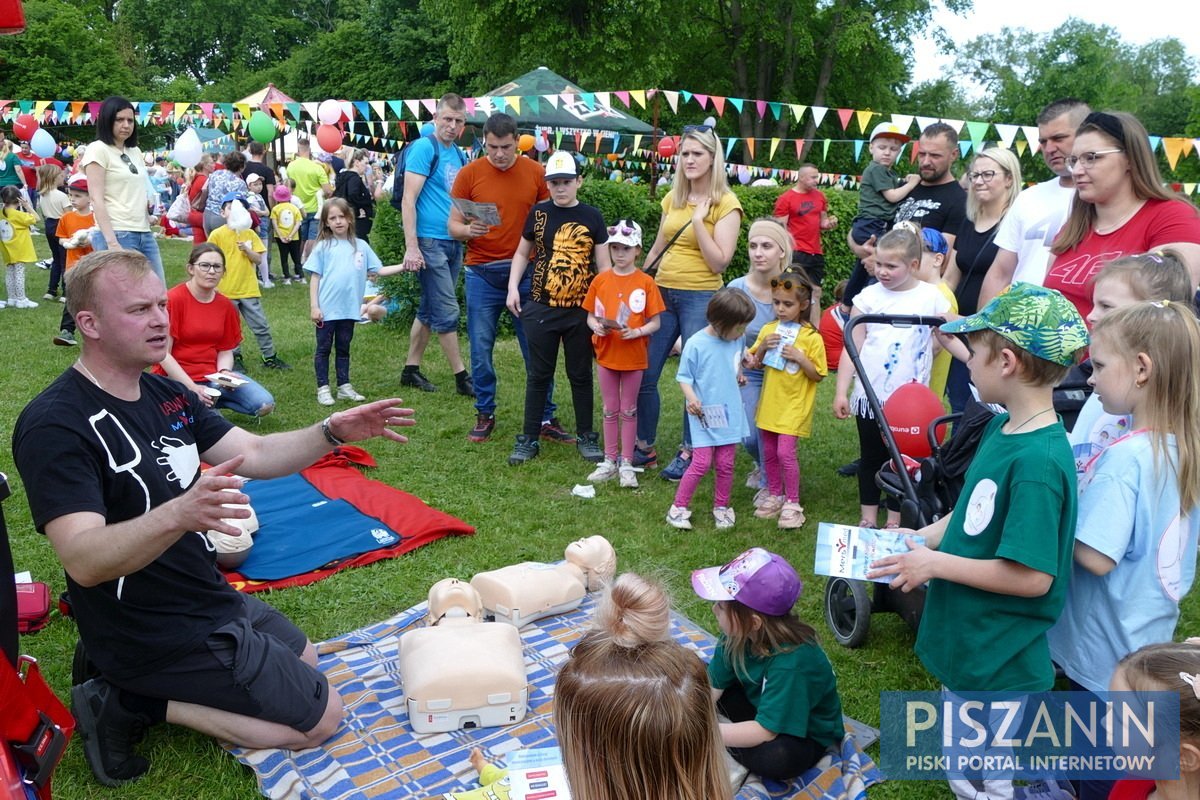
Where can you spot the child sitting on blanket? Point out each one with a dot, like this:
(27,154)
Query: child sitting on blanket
(633,708)
(493,781)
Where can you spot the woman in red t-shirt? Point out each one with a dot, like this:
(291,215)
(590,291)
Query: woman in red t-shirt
(205,329)
(1121,207)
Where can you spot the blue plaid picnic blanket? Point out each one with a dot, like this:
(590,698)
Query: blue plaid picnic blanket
(375,754)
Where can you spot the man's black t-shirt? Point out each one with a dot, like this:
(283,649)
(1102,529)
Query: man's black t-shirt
(80,449)
(942,207)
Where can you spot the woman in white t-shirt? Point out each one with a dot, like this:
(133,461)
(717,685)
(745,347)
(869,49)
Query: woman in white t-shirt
(118,184)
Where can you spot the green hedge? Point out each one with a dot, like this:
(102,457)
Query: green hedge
(631,201)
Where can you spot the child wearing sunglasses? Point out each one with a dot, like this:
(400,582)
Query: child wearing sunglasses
(792,355)
(623,305)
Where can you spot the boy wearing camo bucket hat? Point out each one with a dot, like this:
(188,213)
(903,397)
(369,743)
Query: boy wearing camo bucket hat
(1001,560)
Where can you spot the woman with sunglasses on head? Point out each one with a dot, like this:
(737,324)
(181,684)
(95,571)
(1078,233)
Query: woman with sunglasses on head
(994,183)
(697,236)
(204,331)
(1121,207)
(118,184)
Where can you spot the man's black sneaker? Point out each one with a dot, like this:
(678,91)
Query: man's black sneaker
(238,364)
(109,732)
(848,470)
(463,385)
(553,431)
(414,378)
(525,449)
(484,425)
(588,446)
(275,362)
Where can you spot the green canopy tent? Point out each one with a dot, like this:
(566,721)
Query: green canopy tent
(543,106)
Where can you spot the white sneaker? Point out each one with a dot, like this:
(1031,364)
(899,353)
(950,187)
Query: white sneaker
(680,518)
(287,281)
(48,296)
(346,392)
(3,304)
(724,516)
(62,298)
(301,281)
(266,284)
(23,302)
(323,396)
(628,474)
(754,479)
(606,470)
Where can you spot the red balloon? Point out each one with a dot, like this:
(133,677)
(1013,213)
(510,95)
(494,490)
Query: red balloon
(909,411)
(666,147)
(329,137)
(25,127)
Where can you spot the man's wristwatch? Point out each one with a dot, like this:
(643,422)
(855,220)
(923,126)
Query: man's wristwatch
(328,433)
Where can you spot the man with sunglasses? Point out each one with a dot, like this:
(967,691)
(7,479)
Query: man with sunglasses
(513,184)
(1029,227)
(110,457)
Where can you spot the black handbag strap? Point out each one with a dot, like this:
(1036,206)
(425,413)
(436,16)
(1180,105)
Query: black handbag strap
(652,267)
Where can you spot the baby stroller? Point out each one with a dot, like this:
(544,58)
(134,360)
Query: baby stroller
(927,490)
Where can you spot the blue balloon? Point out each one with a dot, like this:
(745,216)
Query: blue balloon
(427,129)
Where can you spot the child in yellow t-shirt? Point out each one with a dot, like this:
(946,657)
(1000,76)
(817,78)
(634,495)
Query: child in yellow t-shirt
(793,354)
(17,244)
(286,218)
(243,250)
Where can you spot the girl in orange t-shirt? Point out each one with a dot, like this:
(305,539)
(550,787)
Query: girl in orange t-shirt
(623,305)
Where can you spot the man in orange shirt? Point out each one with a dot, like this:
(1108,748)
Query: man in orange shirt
(514,184)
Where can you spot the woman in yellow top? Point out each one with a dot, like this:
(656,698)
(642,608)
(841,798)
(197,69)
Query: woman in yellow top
(710,216)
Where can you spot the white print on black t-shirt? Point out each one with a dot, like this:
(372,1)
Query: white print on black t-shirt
(180,459)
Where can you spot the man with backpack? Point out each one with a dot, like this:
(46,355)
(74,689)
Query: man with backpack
(430,166)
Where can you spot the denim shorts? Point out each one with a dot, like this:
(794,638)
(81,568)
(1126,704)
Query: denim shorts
(439,283)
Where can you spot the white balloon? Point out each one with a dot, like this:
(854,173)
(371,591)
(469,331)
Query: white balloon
(188,149)
(329,112)
(43,144)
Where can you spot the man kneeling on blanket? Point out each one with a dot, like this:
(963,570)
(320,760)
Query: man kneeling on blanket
(110,459)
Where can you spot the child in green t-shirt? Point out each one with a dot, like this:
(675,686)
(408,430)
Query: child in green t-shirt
(998,566)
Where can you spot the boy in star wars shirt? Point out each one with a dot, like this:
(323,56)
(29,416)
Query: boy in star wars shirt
(560,237)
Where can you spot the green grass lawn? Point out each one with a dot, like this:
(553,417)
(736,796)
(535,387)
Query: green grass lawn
(520,514)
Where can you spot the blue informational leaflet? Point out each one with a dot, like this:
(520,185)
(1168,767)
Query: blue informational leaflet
(847,551)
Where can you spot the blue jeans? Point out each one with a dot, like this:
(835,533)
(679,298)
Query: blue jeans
(685,314)
(487,291)
(751,392)
(142,241)
(249,398)
(308,227)
(438,309)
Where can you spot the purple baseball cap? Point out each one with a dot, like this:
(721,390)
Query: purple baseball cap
(757,579)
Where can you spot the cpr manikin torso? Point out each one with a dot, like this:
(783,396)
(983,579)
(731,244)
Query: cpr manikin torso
(526,592)
(462,672)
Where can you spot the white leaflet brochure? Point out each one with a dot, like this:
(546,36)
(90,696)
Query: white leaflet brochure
(714,416)
(847,551)
(225,379)
(537,774)
(487,213)
(788,331)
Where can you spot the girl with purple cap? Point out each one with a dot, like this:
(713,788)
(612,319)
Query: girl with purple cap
(769,675)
